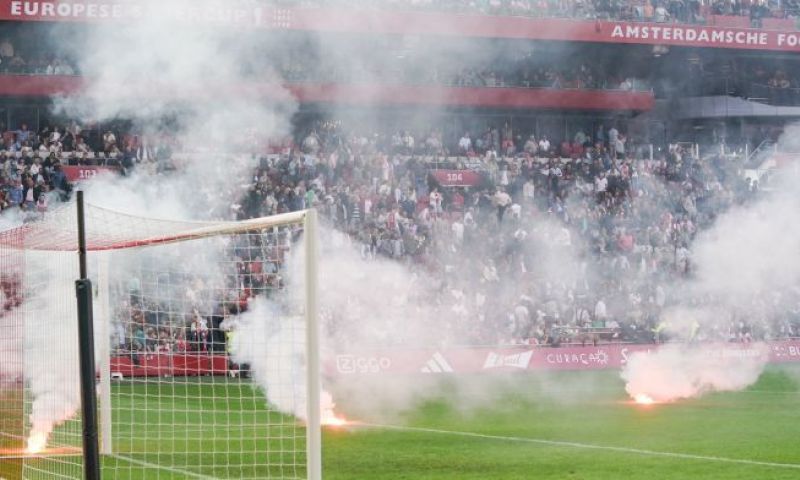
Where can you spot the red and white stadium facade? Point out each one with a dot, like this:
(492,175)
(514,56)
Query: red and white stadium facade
(777,34)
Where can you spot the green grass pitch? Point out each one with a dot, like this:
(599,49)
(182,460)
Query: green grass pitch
(574,425)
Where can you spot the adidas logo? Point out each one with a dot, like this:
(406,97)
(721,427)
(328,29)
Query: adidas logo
(437,364)
(516,360)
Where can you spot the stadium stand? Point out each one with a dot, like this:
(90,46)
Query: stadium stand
(420,195)
(636,215)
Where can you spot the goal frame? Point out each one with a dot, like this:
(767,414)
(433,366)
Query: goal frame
(308,218)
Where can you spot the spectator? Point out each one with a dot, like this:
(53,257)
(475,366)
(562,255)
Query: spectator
(6,50)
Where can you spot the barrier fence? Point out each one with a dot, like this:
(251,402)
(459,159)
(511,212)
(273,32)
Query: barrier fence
(451,360)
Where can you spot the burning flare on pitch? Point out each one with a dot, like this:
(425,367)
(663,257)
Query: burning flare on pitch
(331,419)
(643,399)
(36,442)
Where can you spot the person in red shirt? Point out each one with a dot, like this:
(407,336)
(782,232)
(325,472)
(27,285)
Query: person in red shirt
(625,241)
(391,220)
(458,202)
(566,149)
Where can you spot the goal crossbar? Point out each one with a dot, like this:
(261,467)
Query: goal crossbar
(57,236)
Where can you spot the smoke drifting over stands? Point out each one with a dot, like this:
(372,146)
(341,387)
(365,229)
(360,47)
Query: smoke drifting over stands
(575,242)
(584,237)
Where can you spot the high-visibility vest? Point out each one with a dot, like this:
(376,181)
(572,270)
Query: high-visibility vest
(228,341)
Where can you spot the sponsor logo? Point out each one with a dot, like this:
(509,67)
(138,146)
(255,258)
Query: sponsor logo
(786,350)
(349,364)
(437,364)
(599,357)
(515,360)
(701,35)
(625,354)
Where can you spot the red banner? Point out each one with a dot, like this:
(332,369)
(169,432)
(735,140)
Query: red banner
(721,31)
(510,359)
(87,172)
(457,178)
(225,13)
(161,364)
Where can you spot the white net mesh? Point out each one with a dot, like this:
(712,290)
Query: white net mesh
(177,304)
(12,434)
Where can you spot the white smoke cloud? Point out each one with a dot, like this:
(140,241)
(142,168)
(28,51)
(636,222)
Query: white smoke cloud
(361,303)
(679,371)
(273,343)
(745,262)
(181,85)
(375,303)
(754,249)
(51,359)
(10,218)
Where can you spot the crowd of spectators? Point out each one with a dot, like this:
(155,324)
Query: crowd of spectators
(620,228)
(522,72)
(525,72)
(30,178)
(34,62)
(31,162)
(776,86)
(626,223)
(181,307)
(683,11)
(576,240)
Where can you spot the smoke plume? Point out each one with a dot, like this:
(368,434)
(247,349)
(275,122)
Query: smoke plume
(51,342)
(746,269)
(674,372)
(180,83)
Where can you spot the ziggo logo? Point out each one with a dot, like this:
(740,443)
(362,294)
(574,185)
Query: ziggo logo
(357,364)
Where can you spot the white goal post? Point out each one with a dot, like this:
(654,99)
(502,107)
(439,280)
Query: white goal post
(177,306)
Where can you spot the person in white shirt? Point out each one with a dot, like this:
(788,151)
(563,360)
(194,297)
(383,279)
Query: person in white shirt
(600,312)
(465,144)
(531,146)
(619,146)
(613,133)
(458,233)
(501,200)
(435,201)
(109,140)
(544,145)
(408,142)
(504,177)
(469,219)
(661,14)
(601,184)
(528,191)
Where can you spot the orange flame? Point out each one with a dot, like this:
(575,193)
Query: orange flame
(643,399)
(36,442)
(330,419)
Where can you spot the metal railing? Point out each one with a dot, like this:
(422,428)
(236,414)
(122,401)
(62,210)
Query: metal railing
(788,97)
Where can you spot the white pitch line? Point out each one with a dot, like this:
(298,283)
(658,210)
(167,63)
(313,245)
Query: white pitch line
(162,467)
(588,446)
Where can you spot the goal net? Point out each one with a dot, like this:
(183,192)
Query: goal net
(205,343)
